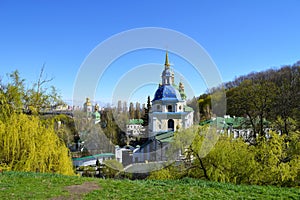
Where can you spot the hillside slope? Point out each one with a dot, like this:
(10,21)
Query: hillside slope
(20,185)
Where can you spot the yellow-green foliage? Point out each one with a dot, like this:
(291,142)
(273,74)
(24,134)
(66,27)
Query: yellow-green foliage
(277,165)
(163,174)
(113,167)
(169,173)
(28,145)
(273,161)
(231,160)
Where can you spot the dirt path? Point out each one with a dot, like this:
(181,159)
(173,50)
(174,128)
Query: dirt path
(77,191)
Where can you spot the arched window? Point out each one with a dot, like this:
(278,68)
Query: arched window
(169,108)
(171,125)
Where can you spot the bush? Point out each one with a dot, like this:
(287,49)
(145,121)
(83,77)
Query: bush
(112,168)
(168,173)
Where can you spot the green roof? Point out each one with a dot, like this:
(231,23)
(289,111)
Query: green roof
(188,109)
(235,122)
(167,140)
(95,156)
(238,122)
(221,122)
(163,136)
(205,122)
(96,115)
(136,121)
(183,95)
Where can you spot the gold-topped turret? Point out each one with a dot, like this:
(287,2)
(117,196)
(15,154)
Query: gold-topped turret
(87,106)
(167,64)
(88,102)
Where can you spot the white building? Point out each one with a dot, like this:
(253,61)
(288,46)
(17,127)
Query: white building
(169,113)
(134,128)
(169,110)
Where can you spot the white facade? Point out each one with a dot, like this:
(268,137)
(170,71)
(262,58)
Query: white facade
(134,130)
(168,113)
(169,110)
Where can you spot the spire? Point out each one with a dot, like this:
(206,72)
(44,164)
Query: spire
(167,74)
(167,64)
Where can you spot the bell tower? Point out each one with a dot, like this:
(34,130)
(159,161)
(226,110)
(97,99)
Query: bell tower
(167,75)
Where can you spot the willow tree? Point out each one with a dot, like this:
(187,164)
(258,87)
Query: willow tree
(26,144)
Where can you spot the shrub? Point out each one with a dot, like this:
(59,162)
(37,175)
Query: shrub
(112,168)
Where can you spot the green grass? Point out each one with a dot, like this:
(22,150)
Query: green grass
(20,185)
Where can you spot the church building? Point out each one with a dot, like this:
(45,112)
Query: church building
(169,113)
(169,110)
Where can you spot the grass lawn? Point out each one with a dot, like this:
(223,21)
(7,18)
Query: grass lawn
(20,185)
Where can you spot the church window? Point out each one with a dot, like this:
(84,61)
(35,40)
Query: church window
(169,108)
(158,107)
(179,107)
(171,125)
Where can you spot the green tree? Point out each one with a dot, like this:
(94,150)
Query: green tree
(231,161)
(12,95)
(254,100)
(273,161)
(189,143)
(112,130)
(26,144)
(278,165)
(55,98)
(64,128)
(286,100)
(145,118)
(38,98)
(204,102)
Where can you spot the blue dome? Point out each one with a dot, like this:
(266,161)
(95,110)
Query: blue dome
(167,92)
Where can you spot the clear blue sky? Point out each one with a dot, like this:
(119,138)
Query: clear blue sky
(241,36)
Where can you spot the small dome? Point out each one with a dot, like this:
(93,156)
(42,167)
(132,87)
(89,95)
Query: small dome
(167,92)
(96,115)
(88,102)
